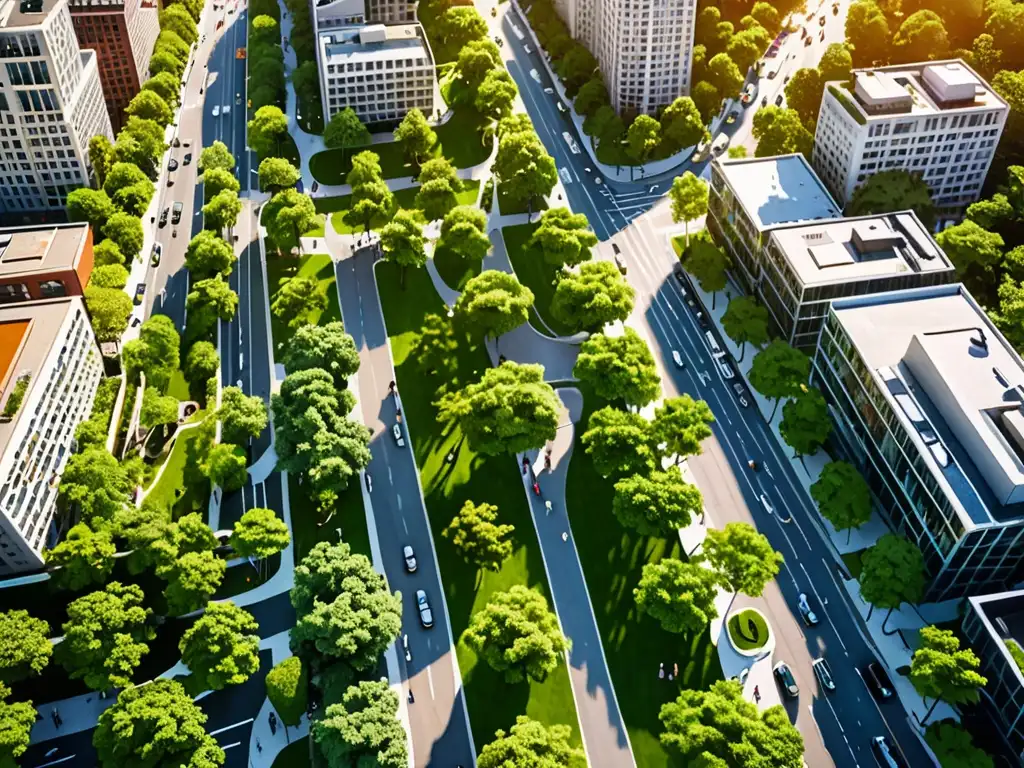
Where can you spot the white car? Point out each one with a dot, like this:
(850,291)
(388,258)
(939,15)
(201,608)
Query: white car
(216,110)
(410,559)
(396,430)
(678,359)
(528,49)
(561,106)
(810,617)
(227,109)
(549,91)
(426,615)
(599,180)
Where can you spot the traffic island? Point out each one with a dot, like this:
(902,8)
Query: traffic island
(749,633)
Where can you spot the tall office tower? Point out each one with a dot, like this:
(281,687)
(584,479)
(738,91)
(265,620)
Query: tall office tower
(51,104)
(122,32)
(390,11)
(938,119)
(643,47)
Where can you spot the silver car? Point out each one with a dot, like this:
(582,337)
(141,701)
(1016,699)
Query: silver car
(410,559)
(426,615)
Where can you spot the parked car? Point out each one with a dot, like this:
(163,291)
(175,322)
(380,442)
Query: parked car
(749,94)
(396,430)
(677,271)
(410,559)
(172,165)
(163,216)
(140,292)
(810,617)
(187,159)
(549,91)
(824,674)
(678,359)
(176,213)
(878,680)
(785,677)
(561,106)
(779,99)
(620,265)
(528,49)
(158,251)
(741,394)
(423,605)
(216,110)
(884,753)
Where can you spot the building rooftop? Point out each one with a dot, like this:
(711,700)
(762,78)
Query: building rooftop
(851,249)
(25,251)
(372,42)
(778,190)
(928,88)
(956,385)
(24,13)
(27,333)
(1003,615)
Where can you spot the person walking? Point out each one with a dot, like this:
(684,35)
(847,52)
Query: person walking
(565,536)
(661,671)
(757,694)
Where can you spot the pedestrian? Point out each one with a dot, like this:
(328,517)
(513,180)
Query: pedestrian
(757,693)
(412,699)
(547,507)
(661,671)
(259,747)
(675,669)
(565,536)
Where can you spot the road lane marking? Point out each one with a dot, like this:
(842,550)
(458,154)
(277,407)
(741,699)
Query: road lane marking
(430,682)
(390,478)
(229,746)
(233,725)
(56,762)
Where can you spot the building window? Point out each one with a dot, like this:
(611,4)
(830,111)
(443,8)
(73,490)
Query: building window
(12,292)
(52,289)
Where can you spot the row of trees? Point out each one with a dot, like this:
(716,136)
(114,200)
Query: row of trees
(305,76)
(450,25)
(266,59)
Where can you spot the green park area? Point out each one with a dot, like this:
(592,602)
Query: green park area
(537,274)
(748,630)
(282,269)
(492,702)
(404,199)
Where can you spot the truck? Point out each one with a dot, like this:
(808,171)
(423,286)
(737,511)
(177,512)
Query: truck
(176,213)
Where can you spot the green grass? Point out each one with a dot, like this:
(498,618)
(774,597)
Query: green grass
(348,515)
(454,269)
(332,165)
(178,387)
(288,150)
(403,199)
(613,558)
(281,269)
(172,489)
(853,562)
(507,207)
(748,630)
(536,274)
(492,702)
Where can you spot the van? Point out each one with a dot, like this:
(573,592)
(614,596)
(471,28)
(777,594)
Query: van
(176,213)
(713,343)
(720,144)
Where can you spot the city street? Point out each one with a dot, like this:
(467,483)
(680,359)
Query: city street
(439,722)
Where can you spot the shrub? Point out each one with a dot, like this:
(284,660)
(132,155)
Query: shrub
(287,686)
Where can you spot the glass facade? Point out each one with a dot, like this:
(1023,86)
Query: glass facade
(869,433)
(1005,688)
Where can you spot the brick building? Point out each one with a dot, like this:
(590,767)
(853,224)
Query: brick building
(44,262)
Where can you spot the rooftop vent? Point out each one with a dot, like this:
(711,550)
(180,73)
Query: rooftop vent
(31,6)
(980,340)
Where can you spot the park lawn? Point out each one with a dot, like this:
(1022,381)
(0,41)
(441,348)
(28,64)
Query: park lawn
(348,515)
(281,269)
(454,269)
(331,166)
(404,199)
(507,207)
(492,702)
(171,489)
(613,558)
(536,274)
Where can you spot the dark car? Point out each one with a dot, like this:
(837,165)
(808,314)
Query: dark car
(878,680)
(172,165)
(778,100)
(786,680)
(824,674)
(163,216)
(884,753)
(187,159)
(140,291)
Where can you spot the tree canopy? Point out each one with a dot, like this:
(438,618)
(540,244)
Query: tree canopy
(241,416)
(805,424)
(742,558)
(890,191)
(81,558)
(682,424)
(780,131)
(940,669)
(415,136)
(842,495)
(259,533)
(325,346)
(620,442)
(345,130)
(222,648)
(619,368)
(363,728)
(656,504)
(563,238)
(746,321)
(529,742)
(680,596)
(493,303)
(892,572)
(25,647)
(592,296)
(299,301)
(478,537)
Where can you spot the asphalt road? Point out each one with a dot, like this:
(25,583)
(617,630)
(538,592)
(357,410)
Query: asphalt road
(850,716)
(438,718)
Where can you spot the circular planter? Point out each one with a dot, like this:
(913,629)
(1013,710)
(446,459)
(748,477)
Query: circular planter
(749,632)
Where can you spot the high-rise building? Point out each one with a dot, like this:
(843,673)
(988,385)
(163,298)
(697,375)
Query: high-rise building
(381,72)
(51,104)
(50,368)
(927,400)
(643,47)
(938,120)
(122,32)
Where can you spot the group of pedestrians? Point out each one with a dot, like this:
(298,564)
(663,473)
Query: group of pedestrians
(671,675)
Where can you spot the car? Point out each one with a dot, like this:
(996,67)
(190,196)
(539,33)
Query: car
(423,605)
(821,20)
(396,430)
(187,158)
(678,359)
(764,101)
(741,395)
(615,249)
(176,213)
(778,100)
(528,49)
(679,274)
(732,117)
(549,91)
(807,41)
(885,755)
(176,143)
(702,150)
(163,216)
(702,321)
(561,106)
(749,93)
(821,37)
(720,144)
(785,79)
(410,559)
(140,292)
(227,109)
(136,321)
(599,180)
(803,604)
(785,677)
(878,680)
(216,110)
(620,265)
(238,98)
(824,674)
(158,251)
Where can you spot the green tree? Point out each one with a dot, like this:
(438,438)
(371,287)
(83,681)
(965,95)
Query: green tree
(402,242)
(222,648)
(780,131)
(706,98)
(25,647)
(742,558)
(843,496)
(242,416)
(493,303)
(892,573)
(460,25)
(176,18)
(216,180)
(288,689)
(169,41)
(123,175)
(216,156)
(563,237)
(689,199)
(723,73)
(529,742)
(890,191)
(82,558)
(464,232)
(164,61)
(643,137)
(511,409)
(476,59)
(576,68)
(708,263)
(343,607)
(101,155)
(16,721)
(496,94)
(299,301)
(619,368)
(681,124)
(105,636)
(620,443)
(323,346)
(192,534)
(221,212)
(517,635)
(433,348)
(276,174)
(90,205)
(954,746)
(805,424)
(836,63)
(371,202)
(523,167)
(767,16)
(921,37)
(746,321)
(208,301)
(867,33)
(345,130)
(149,535)
(313,435)
(289,215)
(209,254)
(363,728)
(109,276)
(126,232)
(202,362)
(721,726)
(225,465)
(679,596)
(682,424)
(941,670)
(140,142)
(259,533)
(592,296)
(96,483)
(106,253)
(163,85)
(266,129)
(415,136)
(974,252)
(779,371)
(150,106)
(479,539)
(155,724)
(745,48)
(656,504)
(192,581)
(591,96)
(803,94)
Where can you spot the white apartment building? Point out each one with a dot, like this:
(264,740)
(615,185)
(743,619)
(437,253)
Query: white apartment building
(49,353)
(381,72)
(346,13)
(937,119)
(51,104)
(644,47)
